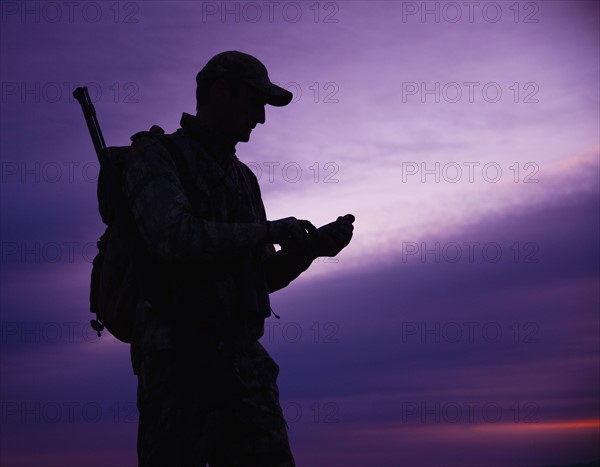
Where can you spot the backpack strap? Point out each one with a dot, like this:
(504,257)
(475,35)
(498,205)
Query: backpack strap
(185,176)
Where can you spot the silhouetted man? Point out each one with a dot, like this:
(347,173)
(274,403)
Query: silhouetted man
(207,390)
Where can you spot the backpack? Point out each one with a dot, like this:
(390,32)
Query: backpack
(122,271)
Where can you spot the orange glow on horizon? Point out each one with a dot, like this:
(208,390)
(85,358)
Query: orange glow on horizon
(572,424)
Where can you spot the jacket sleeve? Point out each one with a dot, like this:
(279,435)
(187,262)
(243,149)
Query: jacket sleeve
(283,266)
(164,217)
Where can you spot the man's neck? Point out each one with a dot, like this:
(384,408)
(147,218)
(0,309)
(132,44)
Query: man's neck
(216,131)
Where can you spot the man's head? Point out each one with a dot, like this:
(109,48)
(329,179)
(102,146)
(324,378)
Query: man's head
(232,91)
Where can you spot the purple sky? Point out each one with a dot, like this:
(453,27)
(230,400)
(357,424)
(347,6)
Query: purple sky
(459,328)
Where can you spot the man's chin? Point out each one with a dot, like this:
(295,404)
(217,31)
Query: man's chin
(244,137)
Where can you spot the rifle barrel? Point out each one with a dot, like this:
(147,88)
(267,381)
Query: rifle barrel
(89,112)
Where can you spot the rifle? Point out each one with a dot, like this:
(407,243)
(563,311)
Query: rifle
(89,112)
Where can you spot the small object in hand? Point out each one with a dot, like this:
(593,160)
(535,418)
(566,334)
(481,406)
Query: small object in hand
(332,238)
(347,218)
(290,232)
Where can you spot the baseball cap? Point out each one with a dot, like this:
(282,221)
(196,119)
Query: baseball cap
(238,65)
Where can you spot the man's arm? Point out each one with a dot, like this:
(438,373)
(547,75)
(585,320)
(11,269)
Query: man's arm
(285,265)
(164,216)
(288,263)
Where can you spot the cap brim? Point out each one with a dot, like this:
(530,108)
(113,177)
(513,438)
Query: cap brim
(274,95)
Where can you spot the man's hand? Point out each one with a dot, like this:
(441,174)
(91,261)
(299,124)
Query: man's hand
(290,232)
(332,238)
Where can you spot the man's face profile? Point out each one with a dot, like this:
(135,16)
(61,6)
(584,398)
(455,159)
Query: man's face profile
(250,110)
(242,107)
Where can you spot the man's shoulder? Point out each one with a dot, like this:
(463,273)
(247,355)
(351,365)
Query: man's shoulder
(147,154)
(158,144)
(148,141)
